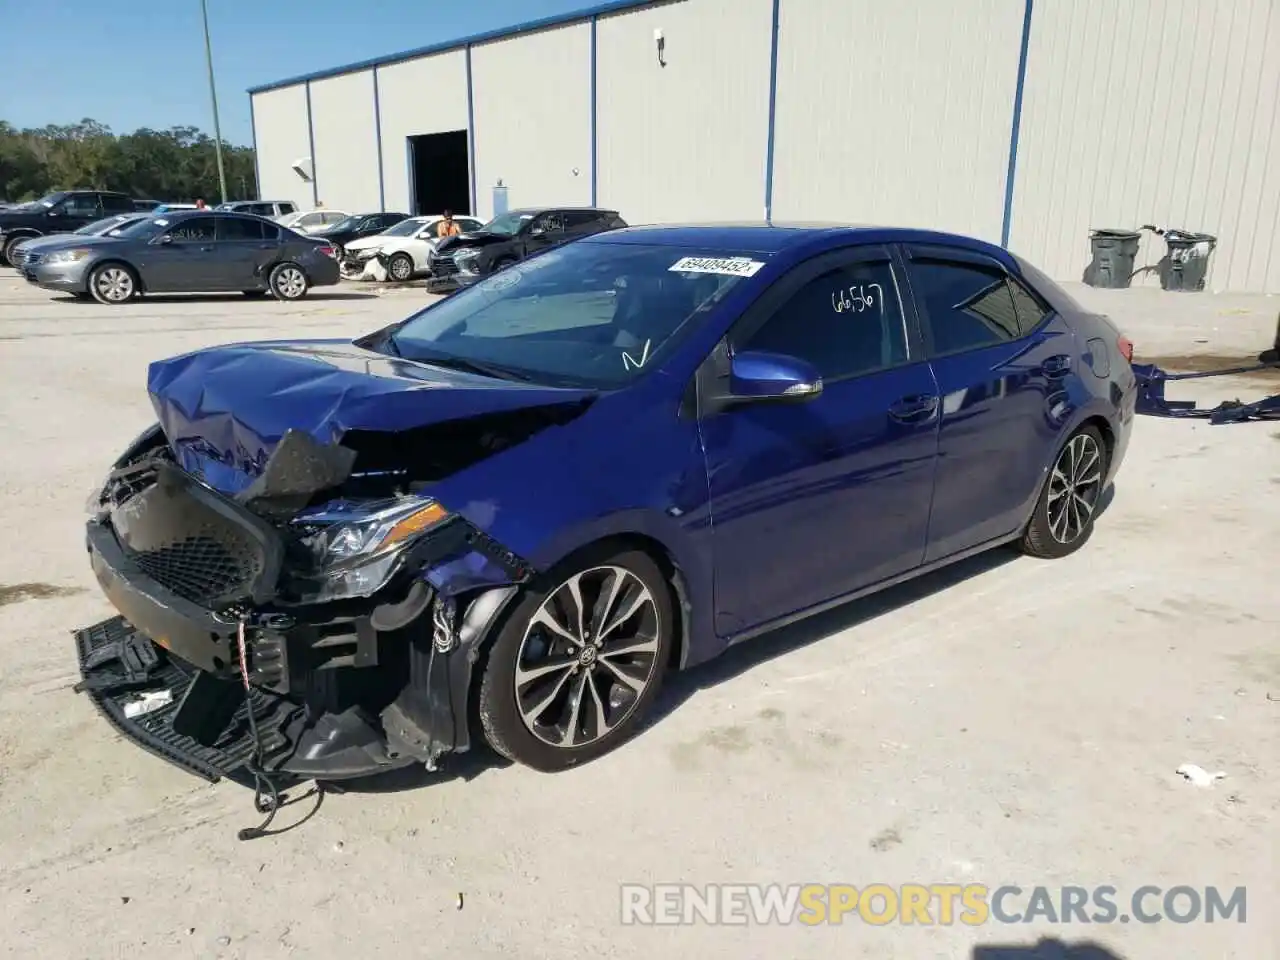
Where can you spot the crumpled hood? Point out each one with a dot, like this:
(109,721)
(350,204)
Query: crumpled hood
(224,410)
(477,239)
(364,243)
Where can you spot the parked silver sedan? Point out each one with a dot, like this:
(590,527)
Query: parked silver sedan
(195,251)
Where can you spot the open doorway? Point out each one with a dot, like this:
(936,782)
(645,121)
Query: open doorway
(438,173)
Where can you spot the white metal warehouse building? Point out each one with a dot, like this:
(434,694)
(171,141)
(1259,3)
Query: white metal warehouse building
(1024,122)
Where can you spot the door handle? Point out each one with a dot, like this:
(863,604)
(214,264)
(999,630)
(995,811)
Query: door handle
(914,408)
(1059,365)
(206,249)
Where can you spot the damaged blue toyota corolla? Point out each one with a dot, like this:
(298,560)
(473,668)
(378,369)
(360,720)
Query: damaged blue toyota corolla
(510,514)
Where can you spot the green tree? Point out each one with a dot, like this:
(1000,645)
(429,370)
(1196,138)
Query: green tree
(176,165)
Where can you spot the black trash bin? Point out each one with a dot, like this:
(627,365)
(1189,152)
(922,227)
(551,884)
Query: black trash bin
(1186,263)
(1113,254)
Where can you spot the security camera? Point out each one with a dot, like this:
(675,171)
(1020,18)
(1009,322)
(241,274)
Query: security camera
(303,168)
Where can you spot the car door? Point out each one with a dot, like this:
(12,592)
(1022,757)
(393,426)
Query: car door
(812,501)
(244,252)
(76,211)
(182,259)
(1003,361)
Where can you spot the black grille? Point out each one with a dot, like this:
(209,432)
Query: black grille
(196,544)
(443,266)
(201,568)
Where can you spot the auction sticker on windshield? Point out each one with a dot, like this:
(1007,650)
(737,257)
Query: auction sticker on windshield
(725,266)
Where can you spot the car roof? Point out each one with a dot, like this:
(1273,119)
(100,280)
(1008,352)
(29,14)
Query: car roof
(534,211)
(775,236)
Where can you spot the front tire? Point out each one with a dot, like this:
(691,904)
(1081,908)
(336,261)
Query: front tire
(113,283)
(288,282)
(400,267)
(578,661)
(1063,519)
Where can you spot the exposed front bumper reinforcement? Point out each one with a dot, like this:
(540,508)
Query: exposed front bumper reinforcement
(1152,401)
(189,717)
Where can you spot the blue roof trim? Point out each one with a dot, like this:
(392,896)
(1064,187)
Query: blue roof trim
(528,26)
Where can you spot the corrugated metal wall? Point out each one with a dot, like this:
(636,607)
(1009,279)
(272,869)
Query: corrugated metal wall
(896,113)
(532,103)
(1133,112)
(427,95)
(685,141)
(282,137)
(1152,111)
(345,134)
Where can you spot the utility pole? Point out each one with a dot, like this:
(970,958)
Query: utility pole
(213,95)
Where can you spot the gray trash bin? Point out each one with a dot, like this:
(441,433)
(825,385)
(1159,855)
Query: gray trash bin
(1186,263)
(1113,254)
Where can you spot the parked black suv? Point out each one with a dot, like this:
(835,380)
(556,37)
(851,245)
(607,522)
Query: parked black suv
(462,260)
(60,212)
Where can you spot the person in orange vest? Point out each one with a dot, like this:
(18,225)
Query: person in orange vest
(447,227)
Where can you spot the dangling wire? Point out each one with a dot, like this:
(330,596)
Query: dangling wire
(266,798)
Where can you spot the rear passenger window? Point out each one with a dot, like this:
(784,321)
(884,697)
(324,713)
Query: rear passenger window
(846,322)
(1031,312)
(966,306)
(237,228)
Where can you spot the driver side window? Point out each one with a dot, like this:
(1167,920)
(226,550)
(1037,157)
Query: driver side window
(84,205)
(549,223)
(846,322)
(195,230)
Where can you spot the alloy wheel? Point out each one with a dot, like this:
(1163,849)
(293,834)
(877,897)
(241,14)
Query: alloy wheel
(290,282)
(114,284)
(1074,486)
(588,654)
(400,268)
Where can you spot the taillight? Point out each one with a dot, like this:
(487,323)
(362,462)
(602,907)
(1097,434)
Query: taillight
(1126,348)
(329,251)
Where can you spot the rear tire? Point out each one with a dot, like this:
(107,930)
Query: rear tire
(1063,519)
(113,283)
(555,694)
(288,282)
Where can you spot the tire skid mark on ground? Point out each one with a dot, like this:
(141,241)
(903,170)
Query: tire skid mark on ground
(175,816)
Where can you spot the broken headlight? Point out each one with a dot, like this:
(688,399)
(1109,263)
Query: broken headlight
(357,547)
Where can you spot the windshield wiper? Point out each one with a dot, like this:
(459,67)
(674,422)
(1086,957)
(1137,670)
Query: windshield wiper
(483,368)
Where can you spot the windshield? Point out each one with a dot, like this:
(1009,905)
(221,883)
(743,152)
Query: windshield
(507,225)
(587,314)
(405,228)
(44,203)
(99,227)
(350,223)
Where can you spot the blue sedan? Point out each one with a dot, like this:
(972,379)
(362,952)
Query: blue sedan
(511,514)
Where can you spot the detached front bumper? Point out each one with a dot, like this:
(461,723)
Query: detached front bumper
(338,690)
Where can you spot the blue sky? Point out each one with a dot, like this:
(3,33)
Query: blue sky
(140,63)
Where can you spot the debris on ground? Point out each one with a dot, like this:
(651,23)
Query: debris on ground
(1199,776)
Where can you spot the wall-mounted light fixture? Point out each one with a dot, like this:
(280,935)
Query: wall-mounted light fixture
(661,42)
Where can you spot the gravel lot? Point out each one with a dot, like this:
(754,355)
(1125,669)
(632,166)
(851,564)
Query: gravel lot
(1007,721)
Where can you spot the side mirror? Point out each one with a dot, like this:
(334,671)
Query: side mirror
(536,231)
(54,213)
(756,375)
(163,239)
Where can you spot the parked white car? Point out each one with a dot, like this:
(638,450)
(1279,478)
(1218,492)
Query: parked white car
(310,221)
(399,252)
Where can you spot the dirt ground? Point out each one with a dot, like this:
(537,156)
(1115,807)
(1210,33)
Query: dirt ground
(1004,722)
